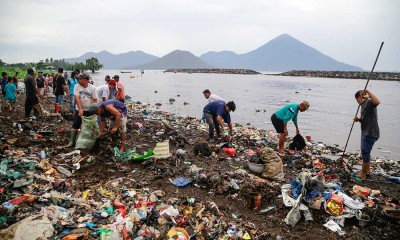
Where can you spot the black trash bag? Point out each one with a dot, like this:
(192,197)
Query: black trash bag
(298,143)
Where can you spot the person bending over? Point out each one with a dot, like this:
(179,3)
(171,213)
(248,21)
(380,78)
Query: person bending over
(216,114)
(117,112)
(281,117)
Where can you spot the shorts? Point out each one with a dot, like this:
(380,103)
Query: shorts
(278,124)
(122,124)
(11,102)
(77,121)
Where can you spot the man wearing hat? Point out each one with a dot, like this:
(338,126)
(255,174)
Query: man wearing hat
(281,117)
(107,91)
(85,95)
(117,113)
(216,114)
(120,95)
(369,127)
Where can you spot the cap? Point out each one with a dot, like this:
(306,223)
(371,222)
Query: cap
(116,76)
(112,82)
(93,108)
(306,104)
(231,105)
(83,76)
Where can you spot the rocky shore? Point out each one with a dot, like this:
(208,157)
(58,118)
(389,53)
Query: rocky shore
(214,70)
(392,76)
(196,191)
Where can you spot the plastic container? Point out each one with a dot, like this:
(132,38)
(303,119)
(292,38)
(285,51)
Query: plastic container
(229,151)
(257,168)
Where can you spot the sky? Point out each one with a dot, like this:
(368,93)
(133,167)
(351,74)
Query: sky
(349,31)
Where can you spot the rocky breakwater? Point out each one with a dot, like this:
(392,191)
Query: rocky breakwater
(393,76)
(214,70)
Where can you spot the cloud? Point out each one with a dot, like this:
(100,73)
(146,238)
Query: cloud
(349,31)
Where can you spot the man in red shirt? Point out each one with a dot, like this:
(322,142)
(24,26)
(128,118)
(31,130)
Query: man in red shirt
(120,95)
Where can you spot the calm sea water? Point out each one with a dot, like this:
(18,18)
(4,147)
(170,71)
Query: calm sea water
(328,120)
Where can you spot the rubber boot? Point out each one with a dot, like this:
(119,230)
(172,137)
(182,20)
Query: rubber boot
(72,142)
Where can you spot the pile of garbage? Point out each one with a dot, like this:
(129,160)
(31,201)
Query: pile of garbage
(172,184)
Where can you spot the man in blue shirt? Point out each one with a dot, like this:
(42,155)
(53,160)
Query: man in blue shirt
(281,117)
(216,114)
(117,112)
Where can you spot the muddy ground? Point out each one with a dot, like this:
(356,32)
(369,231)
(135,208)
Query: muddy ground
(103,167)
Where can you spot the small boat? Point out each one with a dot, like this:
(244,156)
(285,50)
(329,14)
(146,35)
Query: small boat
(125,72)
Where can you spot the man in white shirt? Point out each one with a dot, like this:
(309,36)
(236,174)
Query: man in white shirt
(107,91)
(85,95)
(212,97)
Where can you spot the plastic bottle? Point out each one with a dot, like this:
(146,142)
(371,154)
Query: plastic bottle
(64,171)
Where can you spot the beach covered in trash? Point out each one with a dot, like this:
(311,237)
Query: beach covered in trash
(171,183)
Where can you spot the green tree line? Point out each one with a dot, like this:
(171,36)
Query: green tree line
(49,64)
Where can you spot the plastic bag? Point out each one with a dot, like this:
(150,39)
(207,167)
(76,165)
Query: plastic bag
(273,164)
(89,133)
(335,205)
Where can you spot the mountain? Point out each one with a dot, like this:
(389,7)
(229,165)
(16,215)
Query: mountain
(176,59)
(116,61)
(224,59)
(283,53)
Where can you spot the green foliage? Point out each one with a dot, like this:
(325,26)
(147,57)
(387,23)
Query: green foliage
(49,66)
(93,64)
(11,71)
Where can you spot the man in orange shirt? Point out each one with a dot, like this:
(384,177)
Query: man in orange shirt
(120,95)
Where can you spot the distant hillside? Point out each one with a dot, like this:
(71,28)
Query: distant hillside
(283,53)
(224,59)
(116,61)
(176,59)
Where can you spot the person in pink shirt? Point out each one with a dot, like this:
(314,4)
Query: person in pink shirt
(120,95)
